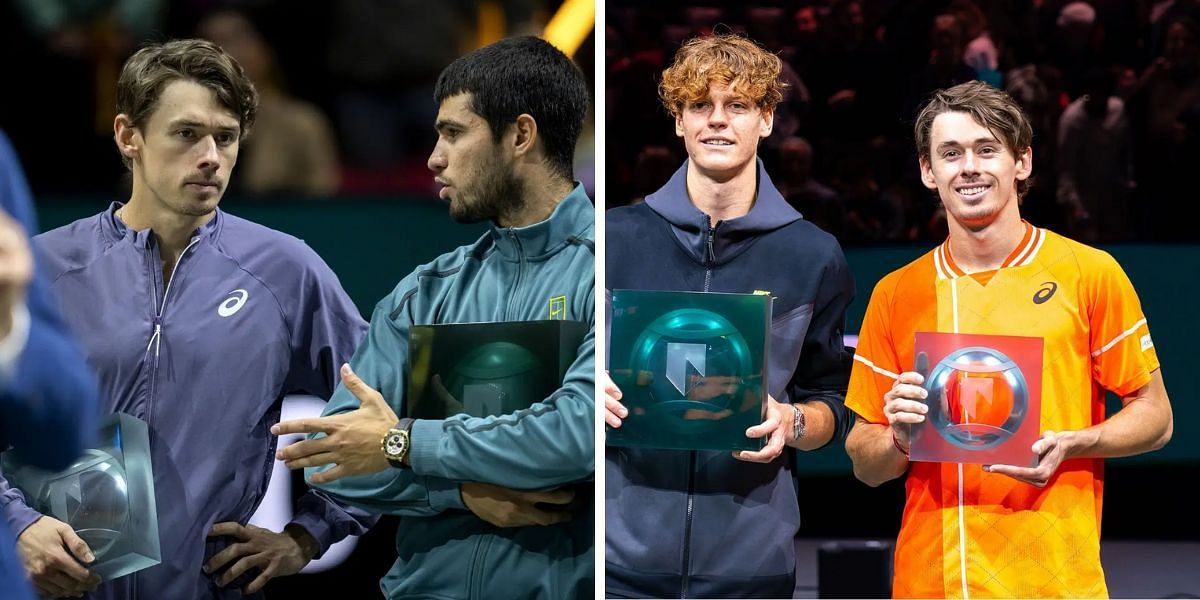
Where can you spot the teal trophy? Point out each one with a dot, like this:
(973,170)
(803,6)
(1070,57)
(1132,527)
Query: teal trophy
(106,496)
(484,369)
(691,368)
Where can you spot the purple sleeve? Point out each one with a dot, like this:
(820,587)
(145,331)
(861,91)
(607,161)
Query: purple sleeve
(326,329)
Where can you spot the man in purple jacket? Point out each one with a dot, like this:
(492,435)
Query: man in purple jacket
(197,322)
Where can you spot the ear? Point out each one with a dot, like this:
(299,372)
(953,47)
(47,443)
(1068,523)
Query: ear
(927,174)
(679,124)
(768,122)
(127,136)
(1024,166)
(526,130)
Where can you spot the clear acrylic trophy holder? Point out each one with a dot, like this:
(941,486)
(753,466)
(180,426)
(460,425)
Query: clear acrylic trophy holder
(984,399)
(691,368)
(486,369)
(106,496)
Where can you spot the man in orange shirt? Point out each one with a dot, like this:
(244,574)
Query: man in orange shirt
(1001,530)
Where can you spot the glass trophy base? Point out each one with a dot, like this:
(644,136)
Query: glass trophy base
(984,399)
(486,369)
(106,496)
(690,367)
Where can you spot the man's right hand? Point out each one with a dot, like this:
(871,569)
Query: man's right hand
(52,553)
(904,405)
(614,411)
(503,507)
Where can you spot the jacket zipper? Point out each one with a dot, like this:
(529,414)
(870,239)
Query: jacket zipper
(475,576)
(156,337)
(710,259)
(687,524)
(508,312)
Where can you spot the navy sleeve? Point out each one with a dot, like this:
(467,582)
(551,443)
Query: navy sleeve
(48,409)
(824,369)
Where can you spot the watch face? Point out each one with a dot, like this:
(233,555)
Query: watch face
(396,444)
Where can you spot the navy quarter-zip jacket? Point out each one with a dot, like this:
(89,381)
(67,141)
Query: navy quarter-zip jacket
(704,524)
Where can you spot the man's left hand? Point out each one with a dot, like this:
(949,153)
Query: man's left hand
(352,440)
(775,429)
(275,554)
(1051,450)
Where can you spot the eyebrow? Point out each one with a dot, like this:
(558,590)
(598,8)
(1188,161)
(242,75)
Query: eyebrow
(192,123)
(443,124)
(955,144)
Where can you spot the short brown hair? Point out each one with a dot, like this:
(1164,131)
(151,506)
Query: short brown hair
(990,107)
(148,72)
(727,59)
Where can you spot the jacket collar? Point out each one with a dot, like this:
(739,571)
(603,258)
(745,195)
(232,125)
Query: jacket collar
(730,237)
(569,223)
(117,231)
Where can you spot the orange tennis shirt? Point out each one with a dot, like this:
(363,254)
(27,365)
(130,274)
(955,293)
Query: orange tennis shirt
(969,533)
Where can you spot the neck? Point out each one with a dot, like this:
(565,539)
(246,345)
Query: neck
(723,198)
(985,248)
(173,231)
(539,201)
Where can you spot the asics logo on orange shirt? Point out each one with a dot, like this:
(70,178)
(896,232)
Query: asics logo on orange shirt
(1045,292)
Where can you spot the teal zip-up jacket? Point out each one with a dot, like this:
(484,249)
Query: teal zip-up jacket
(543,271)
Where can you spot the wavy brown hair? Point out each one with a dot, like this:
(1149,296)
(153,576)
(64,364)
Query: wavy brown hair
(990,107)
(725,59)
(148,72)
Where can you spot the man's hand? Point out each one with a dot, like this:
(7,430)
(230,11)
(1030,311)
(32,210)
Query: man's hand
(275,554)
(614,411)
(904,405)
(1051,450)
(52,553)
(779,421)
(16,269)
(351,441)
(503,507)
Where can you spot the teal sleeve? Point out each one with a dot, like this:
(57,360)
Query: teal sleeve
(382,361)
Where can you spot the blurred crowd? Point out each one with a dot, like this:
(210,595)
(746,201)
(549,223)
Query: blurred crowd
(346,87)
(1112,86)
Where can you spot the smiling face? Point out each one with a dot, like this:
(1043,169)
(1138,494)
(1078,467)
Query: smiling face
(183,156)
(974,173)
(721,132)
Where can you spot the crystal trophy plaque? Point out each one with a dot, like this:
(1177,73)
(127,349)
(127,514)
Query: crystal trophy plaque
(984,399)
(690,367)
(106,496)
(485,369)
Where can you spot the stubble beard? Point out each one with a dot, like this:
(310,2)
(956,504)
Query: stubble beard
(499,193)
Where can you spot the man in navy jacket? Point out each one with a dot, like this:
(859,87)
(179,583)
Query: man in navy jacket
(48,395)
(707,524)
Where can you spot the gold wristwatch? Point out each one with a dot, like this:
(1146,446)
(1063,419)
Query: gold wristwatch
(396,443)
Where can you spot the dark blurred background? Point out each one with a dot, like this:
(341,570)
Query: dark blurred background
(337,155)
(347,87)
(1113,90)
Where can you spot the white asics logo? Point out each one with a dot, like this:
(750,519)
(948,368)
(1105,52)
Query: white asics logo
(232,304)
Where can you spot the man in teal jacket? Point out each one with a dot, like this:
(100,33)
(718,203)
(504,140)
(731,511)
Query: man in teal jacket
(483,497)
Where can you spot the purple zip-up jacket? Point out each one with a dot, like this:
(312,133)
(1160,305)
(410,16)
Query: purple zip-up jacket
(250,314)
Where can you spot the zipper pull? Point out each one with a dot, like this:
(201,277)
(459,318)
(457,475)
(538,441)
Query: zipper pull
(712,254)
(157,337)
